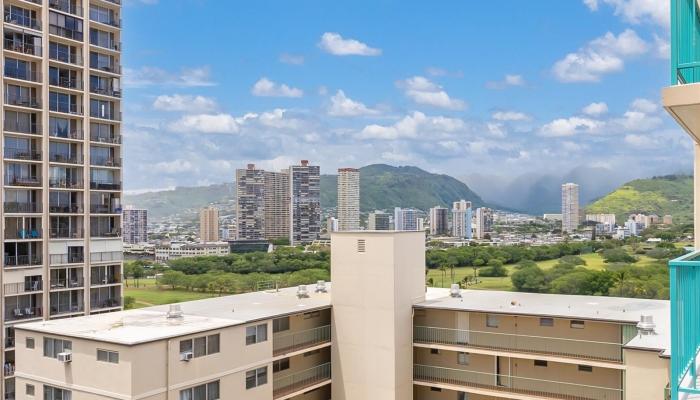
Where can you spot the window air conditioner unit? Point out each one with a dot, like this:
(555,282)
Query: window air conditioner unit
(65,357)
(186,356)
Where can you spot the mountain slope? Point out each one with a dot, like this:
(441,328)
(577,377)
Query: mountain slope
(383,187)
(672,194)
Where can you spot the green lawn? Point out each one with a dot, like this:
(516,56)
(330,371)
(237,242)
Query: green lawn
(148,294)
(593,261)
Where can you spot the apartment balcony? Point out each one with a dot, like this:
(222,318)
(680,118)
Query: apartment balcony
(65,184)
(24,234)
(112,45)
(101,280)
(106,92)
(294,341)
(23,47)
(106,162)
(110,68)
(23,287)
(105,185)
(463,380)
(68,58)
(66,209)
(62,309)
(30,102)
(106,233)
(106,139)
(9,342)
(106,256)
(73,109)
(104,303)
(112,20)
(65,233)
(559,347)
(66,158)
(108,115)
(22,207)
(22,261)
(67,6)
(105,209)
(62,259)
(298,382)
(22,74)
(66,83)
(73,134)
(8,369)
(22,20)
(22,154)
(25,128)
(67,283)
(23,181)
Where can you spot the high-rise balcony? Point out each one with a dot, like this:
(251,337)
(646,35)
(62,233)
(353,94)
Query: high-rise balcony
(24,154)
(65,54)
(29,286)
(66,82)
(105,209)
(67,6)
(16,18)
(66,158)
(66,233)
(105,16)
(106,91)
(106,256)
(23,234)
(107,44)
(511,384)
(62,259)
(67,108)
(561,347)
(23,101)
(18,314)
(108,139)
(288,384)
(105,185)
(22,180)
(105,275)
(66,208)
(25,207)
(26,127)
(66,302)
(58,183)
(294,341)
(67,282)
(23,47)
(105,161)
(26,260)
(75,134)
(25,74)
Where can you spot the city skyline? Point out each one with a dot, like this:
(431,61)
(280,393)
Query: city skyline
(437,110)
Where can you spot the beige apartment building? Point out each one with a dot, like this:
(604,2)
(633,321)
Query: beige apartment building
(375,333)
(276,205)
(348,199)
(61,163)
(250,203)
(209,224)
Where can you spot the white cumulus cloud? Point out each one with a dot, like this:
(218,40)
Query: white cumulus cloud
(184,103)
(595,109)
(267,88)
(508,80)
(343,106)
(333,43)
(206,123)
(510,116)
(410,127)
(563,127)
(422,91)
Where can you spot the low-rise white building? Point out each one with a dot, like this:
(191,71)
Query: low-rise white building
(172,250)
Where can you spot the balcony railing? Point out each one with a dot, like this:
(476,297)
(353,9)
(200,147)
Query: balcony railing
(74,109)
(513,384)
(563,347)
(66,158)
(113,68)
(58,309)
(23,287)
(8,369)
(66,209)
(20,313)
(109,44)
(106,139)
(65,233)
(66,6)
(69,58)
(22,74)
(60,259)
(108,115)
(24,181)
(22,20)
(289,342)
(29,128)
(23,234)
(9,342)
(22,261)
(67,283)
(22,154)
(685,33)
(285,385)
(97,280)
(106,161)
(105,185)
(105,209)
(106,256)
(76,134)
(22,47)
(69,83)
(106,91)
(20,207)
(65,184)
(32,102)
(98,303)
(106,233)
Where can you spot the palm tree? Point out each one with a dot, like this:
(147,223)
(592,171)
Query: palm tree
(620,277)
(443,269)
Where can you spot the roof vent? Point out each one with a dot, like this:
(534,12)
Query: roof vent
(302,293)
(175,312)
(646,325)
(454,290)
(321,287)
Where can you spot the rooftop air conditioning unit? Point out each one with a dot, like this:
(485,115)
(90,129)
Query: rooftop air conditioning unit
(454,290)
(321,287)
(646,325)
(65,357)
(302,293)
(186,356)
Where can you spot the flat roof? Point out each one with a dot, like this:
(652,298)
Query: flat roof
(150,324)
(600,308)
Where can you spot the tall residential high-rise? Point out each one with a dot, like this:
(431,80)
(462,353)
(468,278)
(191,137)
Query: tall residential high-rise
(209,224)
(305,203)
(277,205)
(462,219)
(483,222)
(439,224)
(250,203)
(569,207)
(348,199)
(62,164)
(378,221)
(405,219)
(134,225)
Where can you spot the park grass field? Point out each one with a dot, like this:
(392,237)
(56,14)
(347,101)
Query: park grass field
(149,294)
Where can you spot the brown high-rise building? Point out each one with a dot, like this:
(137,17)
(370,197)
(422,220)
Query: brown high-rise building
(209,224)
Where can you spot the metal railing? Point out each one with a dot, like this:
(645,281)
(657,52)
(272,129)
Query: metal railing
(66,158)
(105,185)
(66,6)
(109,44)
(514,384)
(22,20)
(106,91)
(9,342)
(15,126)
(73,134)
(68,58)
(23,234)
(23,287)
(22,207)
(20,313)
(22,47)
(293,341)
(56,309)
(101,303)
(67,283)
(29,181)
(69,83)
(113,68)
(585,349)
(66,209)
(288,384)
(23,101)
(106,256)
(106,161)
(108,115)
(59,259)
(97,280)
(65,233)
(22,154)
(105,233)
(24,74)
(22,261)
(65,184)
(105,209)
(73,109)
(106,139)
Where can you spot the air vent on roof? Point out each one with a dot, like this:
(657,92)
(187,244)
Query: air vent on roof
(361,245)
(175,312)
(646,325)
(321,287)
(302,293)
(454,290)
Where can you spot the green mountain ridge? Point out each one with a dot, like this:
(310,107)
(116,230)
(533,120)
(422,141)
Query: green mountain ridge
(661,195)
(382,187)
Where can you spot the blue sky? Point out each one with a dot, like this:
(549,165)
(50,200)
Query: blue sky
(455,86)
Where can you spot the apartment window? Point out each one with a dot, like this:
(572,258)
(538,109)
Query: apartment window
(577,324)
(361,245)
(108,356)
(255,334)
(280,365)
(312,353)
(52,347)
(53,393)
(207,391)
(540,363)
(463,358)
(256,377)
(200,346)
(280,324)
(492,321)
(434,351)
(585,368)
(546,321)
(29,390)
(29,342)
(313,314)
(435,389)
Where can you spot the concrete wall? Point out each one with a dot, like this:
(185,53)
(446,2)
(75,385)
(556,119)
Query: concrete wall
(372,297)
(647,375)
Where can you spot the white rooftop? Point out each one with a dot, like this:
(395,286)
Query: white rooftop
(150,324)
(610,309)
